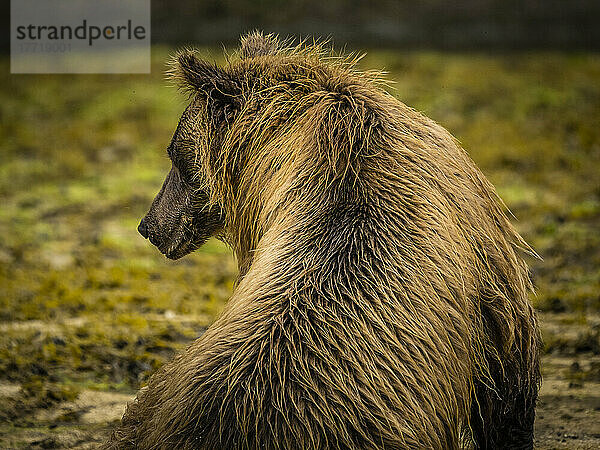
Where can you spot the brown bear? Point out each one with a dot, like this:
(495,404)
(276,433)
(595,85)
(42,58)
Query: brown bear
(382,300)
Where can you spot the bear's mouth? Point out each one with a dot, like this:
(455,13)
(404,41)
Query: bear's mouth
(181,246)
(177,248)
(173,246)
(178,251)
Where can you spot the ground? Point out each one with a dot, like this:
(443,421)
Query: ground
(89,310)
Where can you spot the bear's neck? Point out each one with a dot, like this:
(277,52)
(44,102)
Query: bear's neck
(304,222)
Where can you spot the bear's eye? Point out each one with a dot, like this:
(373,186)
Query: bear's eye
(182,154)
(175,153)
(171,151)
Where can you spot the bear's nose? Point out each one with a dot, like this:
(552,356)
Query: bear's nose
(143,229)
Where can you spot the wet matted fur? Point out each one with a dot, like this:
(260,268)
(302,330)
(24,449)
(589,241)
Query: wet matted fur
(382,299)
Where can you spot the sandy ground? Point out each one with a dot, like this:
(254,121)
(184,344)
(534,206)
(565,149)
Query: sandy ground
(568,417)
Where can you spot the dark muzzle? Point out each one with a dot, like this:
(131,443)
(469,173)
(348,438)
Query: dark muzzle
(143,229)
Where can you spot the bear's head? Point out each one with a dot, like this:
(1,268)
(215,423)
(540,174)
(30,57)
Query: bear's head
(187,211)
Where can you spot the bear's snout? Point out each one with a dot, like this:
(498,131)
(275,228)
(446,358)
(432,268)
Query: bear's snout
(147,229)
(143,229)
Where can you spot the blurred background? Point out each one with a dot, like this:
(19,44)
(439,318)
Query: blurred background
(89,309)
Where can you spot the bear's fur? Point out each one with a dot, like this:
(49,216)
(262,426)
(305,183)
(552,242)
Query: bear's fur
(382,300)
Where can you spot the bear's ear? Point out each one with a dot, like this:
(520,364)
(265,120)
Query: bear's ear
(256,44)
(197,76)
